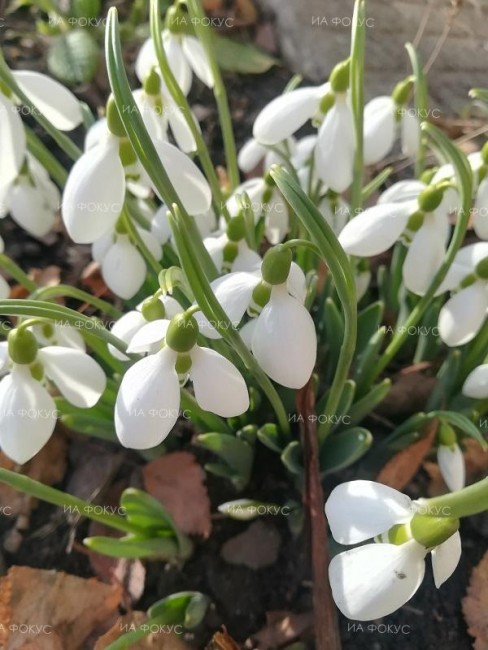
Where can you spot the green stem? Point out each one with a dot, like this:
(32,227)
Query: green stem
(54,168)
(469,501)
(46,293)
(16,272)
(139,242)
(66,501)
(464,175)
(204,33)
(66,144)
(357,100)
(421,103)
(182,103)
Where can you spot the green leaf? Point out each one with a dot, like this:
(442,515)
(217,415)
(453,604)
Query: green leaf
(133,546)
(461,422)
(343,449)
(187,608)
(369,321)
(74,57)
(145,511)
(334,331)
(363,373)
(241,57)
(369,402)
(85,9)
(247,509)
(292,458)
(236,453)
(269,435)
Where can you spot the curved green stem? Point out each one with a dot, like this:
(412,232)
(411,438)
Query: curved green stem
(357,100)
(421,102)
(66,290)
(16,272)
(53,167)
(204,33)
(469,501)
(139,243)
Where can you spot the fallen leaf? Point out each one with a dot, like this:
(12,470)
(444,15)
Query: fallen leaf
(47,277)
(409,393)
(257,547)
(399,470)
(475,605)
(59,610)
(91,278)
(222,641)
(476,463)
(177,480)
(164,640)
(281,628)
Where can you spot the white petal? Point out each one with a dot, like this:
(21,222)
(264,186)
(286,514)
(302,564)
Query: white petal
(215,247)
(148,334)
(360,510)
(79,377)
(464,263)
(125,328)
(247,332)
(56,102)
(4,357)
(189,182)
(96,134)
(410,128)
(148,401)
(284,341)
(123,268)
(171,306)
(276,220)
(402,191)
(250,155)
(28,415)
(480,219)
(297,283)
(30,209)
(219,387)
(4,288)
(372,581)
(247,259)
(233,291)
(180,129)
(334,153)
(68,337)
(145,60)
(376,229)
(155,124)
(451,465)
(160,227)
(379,129)
(177,61)
(461,318)
(476,384)
(151,242)
(445,559)
(102,245)
(286,114)
(12,137)
(197,58)
(424,258)
(94,193)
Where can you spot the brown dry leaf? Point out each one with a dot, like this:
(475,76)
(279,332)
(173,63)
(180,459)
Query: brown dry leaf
(48,277)
(399,470)
(130,622)
(177,481)
(62,610)
(212,5)
(222,641)
(257,547)
(91,278)
(409,393)
(246,12)
(281,628)
(476,462)
(475,605)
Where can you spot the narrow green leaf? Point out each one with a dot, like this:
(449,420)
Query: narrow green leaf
(244,58)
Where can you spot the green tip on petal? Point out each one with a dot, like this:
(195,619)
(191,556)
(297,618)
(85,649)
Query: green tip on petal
(276,265)
(482,269)
(152,83)
(339,77)
(326,103)
(402,91)
(22,346)
(182,333)
(415,221)
(432,531)
(447,435)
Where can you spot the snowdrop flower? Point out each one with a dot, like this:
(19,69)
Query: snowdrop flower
(253,153)
(186,55)
(374,580)
(58,334)
(230,251)
(28,410)
(421,221)
(123,266)
(281,333)
(32,199)
(265,200)
(95,191)
(384,116)
(450,459)
(149,310)
(285,114)
(161,229)
(463,315)
(476,383)
(148,401)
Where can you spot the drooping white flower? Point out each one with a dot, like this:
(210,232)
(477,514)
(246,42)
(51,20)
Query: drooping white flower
(230,255)
(463,315)
(373,580)
(476,383)
(148,401)
(480,210)
(160,228)
(451,464)
(59,334)
(13,149)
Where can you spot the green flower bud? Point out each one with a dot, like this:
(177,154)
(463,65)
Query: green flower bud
(152,83)
(339,77)
(447,435)
(22,346)
(430,198)
(481,269)
(183,364)
(37,371)
(276,264)
(428,174)
(261,294)
(402,91)
(415,221)
(153,309)
(127,154)
(326,103)
(236,228)
(114,121)
(182,333)
(432,531)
